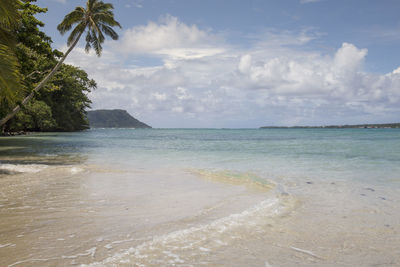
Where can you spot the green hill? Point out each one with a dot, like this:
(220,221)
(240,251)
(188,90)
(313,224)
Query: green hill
(113,118)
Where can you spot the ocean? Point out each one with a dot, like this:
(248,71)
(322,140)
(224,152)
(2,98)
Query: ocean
(201,197)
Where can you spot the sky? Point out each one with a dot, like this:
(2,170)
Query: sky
(245,64)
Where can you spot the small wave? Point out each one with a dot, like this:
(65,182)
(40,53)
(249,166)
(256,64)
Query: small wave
(7,245)
(48,155)
(90,252)
(183,246)
(75,170)
(21,168)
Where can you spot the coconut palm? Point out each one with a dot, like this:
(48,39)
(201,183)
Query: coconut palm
(97,20)
(9,74)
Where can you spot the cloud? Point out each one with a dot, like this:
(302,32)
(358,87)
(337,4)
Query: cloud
(267,82)
(138,3)
(60,1)
(309,1)
(135,3)
(306,74)
(349,58)
(383,34)
(169,38)
(275,38)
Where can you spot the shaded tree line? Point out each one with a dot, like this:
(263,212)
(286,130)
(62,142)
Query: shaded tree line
(28,63)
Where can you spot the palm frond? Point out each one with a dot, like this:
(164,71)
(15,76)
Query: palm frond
(109,31)
(88,42)
(70,19)
(6,37)
(9,13)
(106,18)
(8,19)
(100,6)
(96,32)
(90,3)
(95,43)
(10,79)
(75,33)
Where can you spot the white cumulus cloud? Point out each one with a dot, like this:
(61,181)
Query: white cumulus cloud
(169,37)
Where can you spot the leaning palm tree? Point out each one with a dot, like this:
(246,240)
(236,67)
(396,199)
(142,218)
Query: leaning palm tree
(96,19)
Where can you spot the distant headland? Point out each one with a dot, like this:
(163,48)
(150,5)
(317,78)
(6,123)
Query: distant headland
(361,126)
(113,118)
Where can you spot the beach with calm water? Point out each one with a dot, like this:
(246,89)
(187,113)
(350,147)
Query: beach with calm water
(201,197)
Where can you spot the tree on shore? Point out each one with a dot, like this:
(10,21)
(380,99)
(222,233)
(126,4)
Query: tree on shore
(97,19)
(10,78)
(61,104)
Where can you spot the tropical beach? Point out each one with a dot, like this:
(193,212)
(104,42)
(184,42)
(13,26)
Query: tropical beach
(126,197)
(187,133)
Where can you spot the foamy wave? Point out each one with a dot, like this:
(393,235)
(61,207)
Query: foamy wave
(181,246)
(24,168)
(75,170)
(90,252)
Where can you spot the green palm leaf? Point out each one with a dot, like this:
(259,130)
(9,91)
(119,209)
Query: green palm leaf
(10,79)
(97,19)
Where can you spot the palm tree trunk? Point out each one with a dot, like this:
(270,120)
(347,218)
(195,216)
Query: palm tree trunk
(40,85)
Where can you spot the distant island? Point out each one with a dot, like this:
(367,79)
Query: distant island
(113,118)
(362,126)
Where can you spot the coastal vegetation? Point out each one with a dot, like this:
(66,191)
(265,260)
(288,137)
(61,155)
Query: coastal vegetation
(38,91)
(367,126)
(10,79)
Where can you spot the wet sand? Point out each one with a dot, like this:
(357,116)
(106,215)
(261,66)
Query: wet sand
(63,215)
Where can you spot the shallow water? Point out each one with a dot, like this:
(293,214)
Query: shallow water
(274,197)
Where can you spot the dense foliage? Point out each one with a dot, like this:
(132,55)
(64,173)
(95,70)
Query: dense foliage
(10,78)
(61,104)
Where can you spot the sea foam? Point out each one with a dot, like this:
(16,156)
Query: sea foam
(180,246)
(22,168)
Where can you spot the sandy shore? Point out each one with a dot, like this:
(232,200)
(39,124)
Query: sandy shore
(86,214)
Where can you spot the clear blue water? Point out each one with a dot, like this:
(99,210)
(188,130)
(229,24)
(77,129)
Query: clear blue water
(367,155)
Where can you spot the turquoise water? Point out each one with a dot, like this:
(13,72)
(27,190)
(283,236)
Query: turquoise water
(368,155)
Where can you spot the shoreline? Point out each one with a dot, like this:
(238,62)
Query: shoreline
(7,134)
(351,215)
